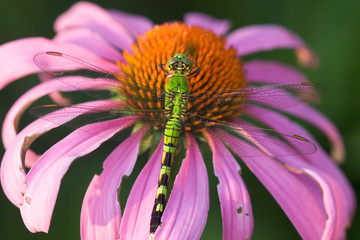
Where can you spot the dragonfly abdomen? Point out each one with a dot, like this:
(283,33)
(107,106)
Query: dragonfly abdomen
(172,132)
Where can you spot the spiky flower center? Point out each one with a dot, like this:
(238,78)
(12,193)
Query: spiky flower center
(220,70)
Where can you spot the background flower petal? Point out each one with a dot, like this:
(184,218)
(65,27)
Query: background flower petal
(203,20)
(237,216)
(271,72)
(185,214)
(251,39)
(90,40)
(101,213)
(91,16)
(137,24)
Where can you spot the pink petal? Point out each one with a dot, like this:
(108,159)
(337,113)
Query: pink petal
(12,117)
(12,170)
(30,158)
(98,20)
(289,191)
(136,220)
(343,193)
(258,71)
(219,27)
(101,213)
(91,41)
(257,38)
(273,72)
(186,212)
(43,179)
(238,222)
(18,56)
(136,24)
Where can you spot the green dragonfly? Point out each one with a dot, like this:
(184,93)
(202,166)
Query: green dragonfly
(168,107)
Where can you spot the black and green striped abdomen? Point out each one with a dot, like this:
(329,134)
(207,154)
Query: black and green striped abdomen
(172,132)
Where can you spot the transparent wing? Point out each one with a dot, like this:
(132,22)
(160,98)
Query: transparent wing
(76,116)
(100,84)
(264,141)
(60,65)
(255,100)
(261,99)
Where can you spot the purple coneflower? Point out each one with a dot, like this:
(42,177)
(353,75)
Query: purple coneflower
(310,188)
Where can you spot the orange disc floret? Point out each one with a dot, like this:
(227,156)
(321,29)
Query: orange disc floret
(220,69)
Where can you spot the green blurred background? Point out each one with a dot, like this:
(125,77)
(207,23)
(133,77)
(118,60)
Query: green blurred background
(331,28)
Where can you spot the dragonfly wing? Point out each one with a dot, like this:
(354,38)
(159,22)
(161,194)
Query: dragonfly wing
(60,65)
(272,143)
(282,96)
(263,99)
(77,116)
(264,141)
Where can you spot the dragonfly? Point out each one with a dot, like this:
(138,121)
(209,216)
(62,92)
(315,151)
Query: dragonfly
(169,104)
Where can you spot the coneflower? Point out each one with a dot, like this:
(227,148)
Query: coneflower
(238,108)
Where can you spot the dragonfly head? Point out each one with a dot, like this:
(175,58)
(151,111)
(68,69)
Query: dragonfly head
(179,63)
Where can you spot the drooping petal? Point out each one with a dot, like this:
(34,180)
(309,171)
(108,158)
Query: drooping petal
(12,170)
(43,179)
(135,223)
(186,212)
(285,186)
(9,128)
(135,23)
(91,16)
(257,38)
(271,72)
(17,57)
(101,213)
(344,196)
(329,204)
(237,217)
(91,41)
(218,26)
(12,117)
